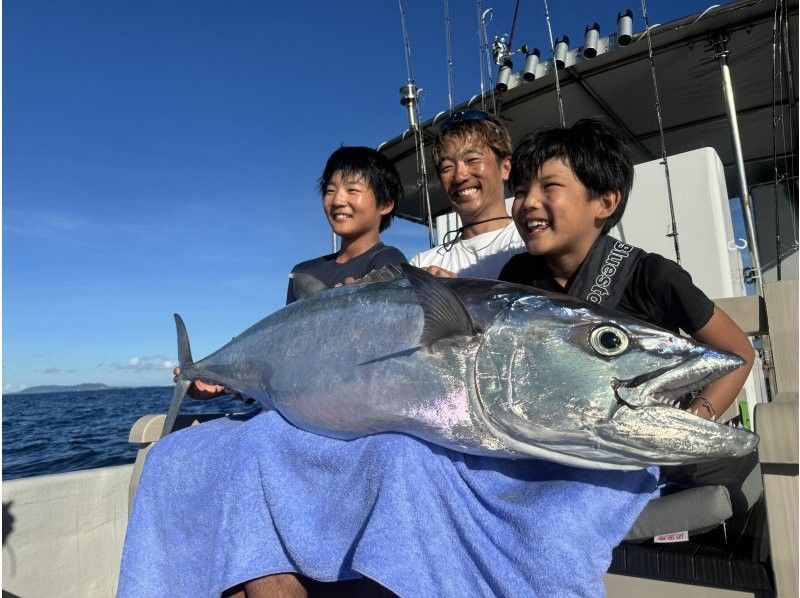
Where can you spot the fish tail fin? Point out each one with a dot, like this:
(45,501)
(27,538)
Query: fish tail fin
(181,387)
(185,362)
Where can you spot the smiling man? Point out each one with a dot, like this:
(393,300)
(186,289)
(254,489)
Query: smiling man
(472,156)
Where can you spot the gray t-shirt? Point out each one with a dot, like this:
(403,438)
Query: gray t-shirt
(329,272)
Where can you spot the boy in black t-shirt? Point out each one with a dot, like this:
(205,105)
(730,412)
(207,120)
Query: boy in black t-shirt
(360,189)
(570,188)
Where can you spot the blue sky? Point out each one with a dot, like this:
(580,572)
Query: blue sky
(161,156)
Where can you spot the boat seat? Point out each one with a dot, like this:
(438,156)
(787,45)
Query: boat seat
(699,498)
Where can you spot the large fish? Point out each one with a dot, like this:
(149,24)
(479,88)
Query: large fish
(478,366)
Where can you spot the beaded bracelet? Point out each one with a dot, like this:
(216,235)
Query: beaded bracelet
(709,407)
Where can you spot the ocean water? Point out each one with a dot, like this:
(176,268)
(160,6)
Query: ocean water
(67,431)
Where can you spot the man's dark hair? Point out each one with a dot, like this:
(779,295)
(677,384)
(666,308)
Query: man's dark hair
(371,166)
(595,151)
(491,132)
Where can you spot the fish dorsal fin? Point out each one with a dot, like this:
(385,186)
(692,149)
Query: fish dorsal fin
(305,285)
(385,274)
(445,313)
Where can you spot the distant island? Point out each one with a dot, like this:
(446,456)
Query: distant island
(54,388)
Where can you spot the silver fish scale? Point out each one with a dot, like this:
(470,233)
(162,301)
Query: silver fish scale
(348,362)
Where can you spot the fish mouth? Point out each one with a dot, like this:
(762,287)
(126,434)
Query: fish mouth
(654,430)
(662,435)
(664,387)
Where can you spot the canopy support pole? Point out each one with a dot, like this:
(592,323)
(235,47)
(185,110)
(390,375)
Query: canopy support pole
(721,53)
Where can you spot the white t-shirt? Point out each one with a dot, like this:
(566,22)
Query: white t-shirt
(482,256)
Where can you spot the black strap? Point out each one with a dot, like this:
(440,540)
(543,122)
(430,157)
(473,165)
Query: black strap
(606,272)
(448,243)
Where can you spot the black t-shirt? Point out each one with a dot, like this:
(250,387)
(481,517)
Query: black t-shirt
(659,291)
(329,272)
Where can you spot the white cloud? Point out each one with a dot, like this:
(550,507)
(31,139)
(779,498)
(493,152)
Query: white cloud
(148,362)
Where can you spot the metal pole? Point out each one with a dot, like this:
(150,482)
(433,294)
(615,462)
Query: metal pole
(721,53)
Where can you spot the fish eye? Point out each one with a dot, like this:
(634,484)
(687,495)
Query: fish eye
(608,340)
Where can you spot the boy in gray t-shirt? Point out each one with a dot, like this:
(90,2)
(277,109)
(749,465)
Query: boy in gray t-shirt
(360,189)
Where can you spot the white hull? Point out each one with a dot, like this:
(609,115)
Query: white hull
(63,534)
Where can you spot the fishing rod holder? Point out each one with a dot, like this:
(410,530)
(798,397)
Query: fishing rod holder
(717,42)
(625,27)
(531,62)
(409,97)
(560,49)
(591,38)
(504,76)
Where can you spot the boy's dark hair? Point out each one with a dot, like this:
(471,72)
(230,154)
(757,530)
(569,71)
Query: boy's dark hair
(490,131)
(371,166)
(595,151)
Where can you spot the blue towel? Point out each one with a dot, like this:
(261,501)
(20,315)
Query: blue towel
(230,500)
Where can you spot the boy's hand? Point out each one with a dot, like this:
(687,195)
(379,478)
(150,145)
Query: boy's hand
(721,332)
(348,280)
(200,390)
(440,272)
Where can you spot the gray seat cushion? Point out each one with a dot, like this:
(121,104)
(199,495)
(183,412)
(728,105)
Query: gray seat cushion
(692,509)
(712,493)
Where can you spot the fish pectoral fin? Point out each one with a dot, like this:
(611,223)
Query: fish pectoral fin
(304,285)
(384,274)
(445,314)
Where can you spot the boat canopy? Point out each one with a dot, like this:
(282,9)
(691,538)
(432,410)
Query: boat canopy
(617,84)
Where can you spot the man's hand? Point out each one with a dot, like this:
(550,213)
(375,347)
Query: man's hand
(440,272)
(200,390)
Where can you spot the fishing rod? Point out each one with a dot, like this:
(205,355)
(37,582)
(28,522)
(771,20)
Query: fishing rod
(409,97)
(484,16)
(789,165)
(449,45)
(776,32)
(513,25)
(562,119)
(503,53)
(780,66)
(673,223)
